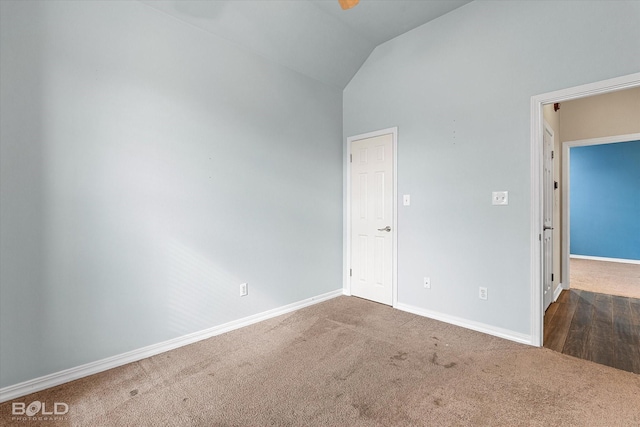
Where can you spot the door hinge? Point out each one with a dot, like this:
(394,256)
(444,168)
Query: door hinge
(552,277)
(540,237)
(350,158)
(350,272)
(555,185)
(553,154)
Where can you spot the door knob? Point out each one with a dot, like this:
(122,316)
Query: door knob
(387,228)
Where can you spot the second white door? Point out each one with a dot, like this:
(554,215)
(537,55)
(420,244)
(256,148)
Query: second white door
(547,232)
(372,223)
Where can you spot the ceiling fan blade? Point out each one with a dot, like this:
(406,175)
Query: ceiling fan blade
(348,4)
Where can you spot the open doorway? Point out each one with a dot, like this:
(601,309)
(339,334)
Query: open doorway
(537,194)
(601,130)
(588,324)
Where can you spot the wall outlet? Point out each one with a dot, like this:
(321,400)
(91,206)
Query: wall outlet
(500,198)
(244,289)
(482,293)
(427,283)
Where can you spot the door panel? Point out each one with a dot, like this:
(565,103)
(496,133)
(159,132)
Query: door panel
(371,226)
(547,234)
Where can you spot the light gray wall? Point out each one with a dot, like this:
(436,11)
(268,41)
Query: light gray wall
(148,168)
(459,90)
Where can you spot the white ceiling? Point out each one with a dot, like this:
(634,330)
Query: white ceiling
(314,37)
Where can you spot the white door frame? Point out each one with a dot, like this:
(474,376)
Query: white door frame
(346,282)
(566,192)
(537,102)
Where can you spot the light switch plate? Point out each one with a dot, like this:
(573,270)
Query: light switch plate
(406,199)
(500,198)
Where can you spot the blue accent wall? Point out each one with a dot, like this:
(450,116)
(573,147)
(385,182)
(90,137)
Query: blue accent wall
(605,200)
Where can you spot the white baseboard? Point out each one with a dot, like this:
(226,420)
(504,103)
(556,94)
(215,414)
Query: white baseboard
(557,292)
(469,324)
(57,378)
(599,258)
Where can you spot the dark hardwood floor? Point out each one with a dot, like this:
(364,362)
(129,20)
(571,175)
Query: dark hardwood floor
(598,327)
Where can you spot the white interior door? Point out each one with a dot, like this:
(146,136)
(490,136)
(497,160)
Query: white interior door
(372,210)
(547,235)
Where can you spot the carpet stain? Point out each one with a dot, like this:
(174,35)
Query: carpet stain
(400,356)
(133,392)
(437,401)
(434,358)
(363,410)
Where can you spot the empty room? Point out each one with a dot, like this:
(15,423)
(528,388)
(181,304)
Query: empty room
(297,212)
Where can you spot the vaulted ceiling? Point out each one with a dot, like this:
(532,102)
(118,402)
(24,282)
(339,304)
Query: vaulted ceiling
(314,37)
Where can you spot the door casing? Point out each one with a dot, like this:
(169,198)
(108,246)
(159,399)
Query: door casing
(548,234)
(537,191)
(347,220)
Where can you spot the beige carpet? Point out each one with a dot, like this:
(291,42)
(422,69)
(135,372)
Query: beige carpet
(613,278)
(350,362)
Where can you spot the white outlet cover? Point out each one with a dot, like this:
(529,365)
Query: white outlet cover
(406,199)
(500,198)
(427,283)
